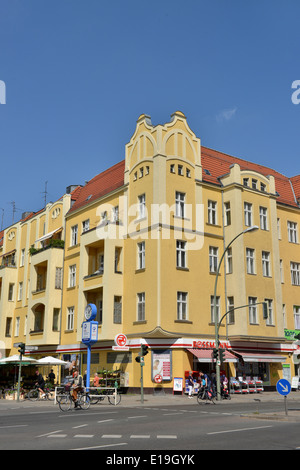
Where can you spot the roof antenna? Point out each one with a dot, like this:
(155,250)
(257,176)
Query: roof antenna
(45,194)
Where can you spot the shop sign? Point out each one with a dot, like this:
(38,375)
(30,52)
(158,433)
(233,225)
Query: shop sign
(210,344)
(290,334)
(161,364)
(158,379)
(120,343)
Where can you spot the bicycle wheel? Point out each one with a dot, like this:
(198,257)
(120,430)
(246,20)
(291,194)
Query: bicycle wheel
(84,401)
(59,395)
(114,399)
(33,395)
(65,403)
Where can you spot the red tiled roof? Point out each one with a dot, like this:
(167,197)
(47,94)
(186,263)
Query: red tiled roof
(219,163)
(102,184)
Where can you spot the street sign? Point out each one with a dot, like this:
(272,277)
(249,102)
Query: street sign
(283,387)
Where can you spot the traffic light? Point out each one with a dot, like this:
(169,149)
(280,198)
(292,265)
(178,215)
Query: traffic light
(297,336)
(144,349)
(265,310)
(21,348)
(216,354)
(138,358)
(222,355)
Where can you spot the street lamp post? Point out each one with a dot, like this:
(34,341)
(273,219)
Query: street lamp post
(249,229)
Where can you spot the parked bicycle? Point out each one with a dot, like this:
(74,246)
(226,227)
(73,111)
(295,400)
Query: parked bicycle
(205,396)
(35,394)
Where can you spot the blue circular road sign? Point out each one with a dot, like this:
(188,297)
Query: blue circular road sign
(283,387)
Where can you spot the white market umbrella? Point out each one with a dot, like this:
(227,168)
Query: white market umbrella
(16,360)
(51,361)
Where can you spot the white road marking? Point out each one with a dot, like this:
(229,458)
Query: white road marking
(238,430)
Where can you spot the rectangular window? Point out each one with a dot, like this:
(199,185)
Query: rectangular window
(281,271)
(297,317)
(227,212)
(117,309)
(55,323)
(72,275)
(99,317)
(295,274)
(17,326)
(212,212)
(20,291)
(248,214)
(22,258)
(270,319)
(141,255)
(115,214)
(181,254)
(213,259)
(8,327)
(292,232)
(229,261)
(266,265)
(263,217)
(250,260)
(230,309)
(11,291)
(141,306)
(70,318)
(74,235)
(85,225)
(179,204)
(182,305)
(142,206)
(252,310)
(212,310)
(58,278)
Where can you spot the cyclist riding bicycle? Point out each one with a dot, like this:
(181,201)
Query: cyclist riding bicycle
(76,387)
(40,384)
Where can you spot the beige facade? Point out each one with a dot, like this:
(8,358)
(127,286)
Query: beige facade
(142,242)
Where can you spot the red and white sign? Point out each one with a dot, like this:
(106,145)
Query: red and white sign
(158,379)
(120,343)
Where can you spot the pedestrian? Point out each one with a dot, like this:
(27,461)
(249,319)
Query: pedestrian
(190,385)
(96,380)
(51,377)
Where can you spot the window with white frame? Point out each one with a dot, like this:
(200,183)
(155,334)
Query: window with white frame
(248,214)
(74,235)
(141,255)
(70,318)
(213,259)
(284,315)
(263,217)
(266,265)
(11,291)
(292,232)
(115,214)
(252,310)
(142,206)
(117,309)
(212,309)
(99,317)
(295,273)
(250,260)
(179,204)
(212,212)
(72,275)
(22,258)
(229,265)
(181,261)
(297,317)
(270,319)
(141,306)
(230,309)
(227,213)
(279,229)
(281,271)
(182,307)
(85,225)
(17,326)
(20,291)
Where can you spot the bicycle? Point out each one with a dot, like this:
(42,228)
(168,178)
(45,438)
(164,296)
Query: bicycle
(205,396)
(66,401)
(34,394)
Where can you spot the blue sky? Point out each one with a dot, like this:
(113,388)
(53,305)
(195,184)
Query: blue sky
(78,73)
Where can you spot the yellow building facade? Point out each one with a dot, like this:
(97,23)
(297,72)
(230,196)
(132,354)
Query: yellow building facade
(142,241)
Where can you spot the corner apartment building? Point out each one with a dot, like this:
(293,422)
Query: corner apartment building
(142,241)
